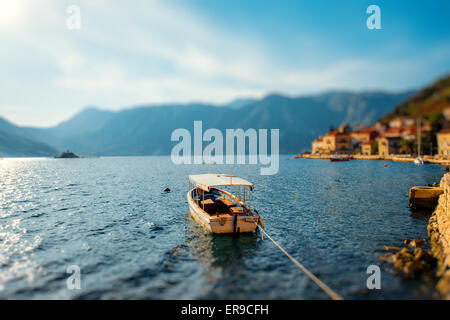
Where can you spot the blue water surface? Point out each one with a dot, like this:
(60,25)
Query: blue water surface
(110,217)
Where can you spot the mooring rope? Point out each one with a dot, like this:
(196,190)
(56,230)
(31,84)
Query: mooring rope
(330,292)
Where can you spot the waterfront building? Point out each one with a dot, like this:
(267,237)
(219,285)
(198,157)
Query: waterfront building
(338,141)
(365,135)
(335,141)
(366,148)
(317,146)
(388,145)
(393,133)
(443,141)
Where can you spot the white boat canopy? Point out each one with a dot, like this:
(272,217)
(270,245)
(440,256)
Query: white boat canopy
(209,180)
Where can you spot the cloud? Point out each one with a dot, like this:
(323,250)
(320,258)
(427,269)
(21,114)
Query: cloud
(156,52)
(12,13)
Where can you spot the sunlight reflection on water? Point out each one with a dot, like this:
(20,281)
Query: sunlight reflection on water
(131,240)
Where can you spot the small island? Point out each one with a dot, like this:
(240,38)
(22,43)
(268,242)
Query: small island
(67,155)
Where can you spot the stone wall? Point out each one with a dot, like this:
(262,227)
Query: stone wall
(439,234)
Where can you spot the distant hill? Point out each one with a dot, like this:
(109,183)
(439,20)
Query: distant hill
(15,142)
(72,131)
(146,130)
(86,121)
(427,103)
(240,103)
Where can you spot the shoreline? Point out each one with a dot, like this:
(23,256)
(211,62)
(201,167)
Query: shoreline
(376,157)
(438,226)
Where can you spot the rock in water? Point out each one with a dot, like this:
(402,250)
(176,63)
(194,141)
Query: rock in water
(68,155)
(166,190)
(415,243)
(410,264)
(391,248)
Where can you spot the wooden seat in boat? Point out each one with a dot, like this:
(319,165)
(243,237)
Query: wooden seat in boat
(207,205)
(236,210)
(225,202)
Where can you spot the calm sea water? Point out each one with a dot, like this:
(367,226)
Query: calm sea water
(110,217)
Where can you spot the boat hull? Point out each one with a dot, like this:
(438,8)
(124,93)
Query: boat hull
(339,159)
(222,224)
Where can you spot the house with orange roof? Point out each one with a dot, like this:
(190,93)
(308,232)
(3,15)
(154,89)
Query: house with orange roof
(338,141)
(364,135)
(393,133)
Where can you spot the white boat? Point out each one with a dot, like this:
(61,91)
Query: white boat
(218,210)
(335,157)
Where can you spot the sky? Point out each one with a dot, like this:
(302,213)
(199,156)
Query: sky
(138,52)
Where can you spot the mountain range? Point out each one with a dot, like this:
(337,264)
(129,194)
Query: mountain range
(427,103)
(146,130)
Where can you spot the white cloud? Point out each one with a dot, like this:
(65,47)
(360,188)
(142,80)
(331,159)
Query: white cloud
(12,13)
(149,52)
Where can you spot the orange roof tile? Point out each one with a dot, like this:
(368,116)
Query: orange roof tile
(332,133)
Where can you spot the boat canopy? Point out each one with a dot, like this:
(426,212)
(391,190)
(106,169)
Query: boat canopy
(209,180)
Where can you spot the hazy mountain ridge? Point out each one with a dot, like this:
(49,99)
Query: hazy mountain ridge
(428,102)
(146,130)
(16,142)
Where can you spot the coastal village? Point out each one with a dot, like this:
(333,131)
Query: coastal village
(397,139)
(416,131)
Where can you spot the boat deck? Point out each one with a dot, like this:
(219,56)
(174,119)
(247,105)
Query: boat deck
(216,204)
(221,212)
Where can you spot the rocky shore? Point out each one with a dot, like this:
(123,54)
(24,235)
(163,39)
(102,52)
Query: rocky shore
(411,261)
(428,257)
(439,237)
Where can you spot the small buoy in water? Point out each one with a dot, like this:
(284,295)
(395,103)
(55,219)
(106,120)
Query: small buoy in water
(385,165)
(166,190)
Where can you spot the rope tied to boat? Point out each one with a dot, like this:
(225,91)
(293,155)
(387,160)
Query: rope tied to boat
(330,292)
